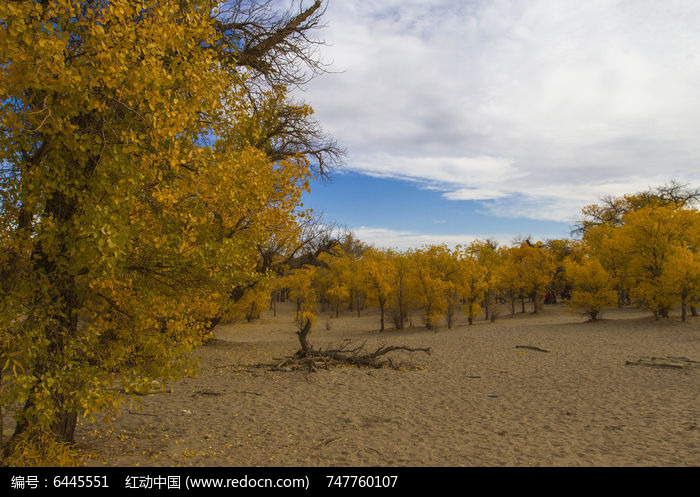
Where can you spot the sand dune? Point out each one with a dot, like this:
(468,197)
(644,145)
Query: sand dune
(476,401)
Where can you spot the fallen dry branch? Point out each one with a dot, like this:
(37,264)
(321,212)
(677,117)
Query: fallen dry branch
(248,392)
(326,443)
(664,362)
(142,413)
(151,392)
(142,393)
(208,393)
(342,355)
(530,347)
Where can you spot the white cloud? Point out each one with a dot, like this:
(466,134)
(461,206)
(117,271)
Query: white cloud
(534,108)
(474,194)
(442,172)
(403,240)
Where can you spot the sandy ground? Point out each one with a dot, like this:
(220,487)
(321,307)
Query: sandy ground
(477,400)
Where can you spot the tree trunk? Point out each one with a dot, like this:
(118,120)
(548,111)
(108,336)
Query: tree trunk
(63,427)
(535,308)
(486,306)
(381,316)
(303,334)
(401,314)
(450,315)
(470,314)
(63,304)
(684,312)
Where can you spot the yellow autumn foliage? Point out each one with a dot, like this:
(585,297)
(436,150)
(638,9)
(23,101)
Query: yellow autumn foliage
(136,186)
(592,287)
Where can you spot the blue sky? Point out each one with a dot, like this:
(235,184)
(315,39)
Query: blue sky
(403,214)
(500,118)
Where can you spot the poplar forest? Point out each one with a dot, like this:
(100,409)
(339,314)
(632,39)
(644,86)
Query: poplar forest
(151,174)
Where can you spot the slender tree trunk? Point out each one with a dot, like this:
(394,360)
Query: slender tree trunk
(534,303)
(381,315)
(450,314)
(684,312)
(486,306)
(401,315)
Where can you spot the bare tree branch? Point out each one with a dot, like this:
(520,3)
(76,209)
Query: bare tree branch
(276,50)
(273,46)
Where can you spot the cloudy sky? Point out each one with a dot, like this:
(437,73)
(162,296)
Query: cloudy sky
(500,118)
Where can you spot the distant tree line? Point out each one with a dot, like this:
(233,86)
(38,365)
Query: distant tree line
(639,249)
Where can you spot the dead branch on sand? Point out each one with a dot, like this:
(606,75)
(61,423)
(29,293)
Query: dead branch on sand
(142,393)
(142,413)
(664,362)
(208,393)
(344,354)
(530,347)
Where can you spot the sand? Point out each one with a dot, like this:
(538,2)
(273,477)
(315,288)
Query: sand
(477,400)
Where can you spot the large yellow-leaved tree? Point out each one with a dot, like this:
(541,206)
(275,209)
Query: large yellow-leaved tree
(140,171)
